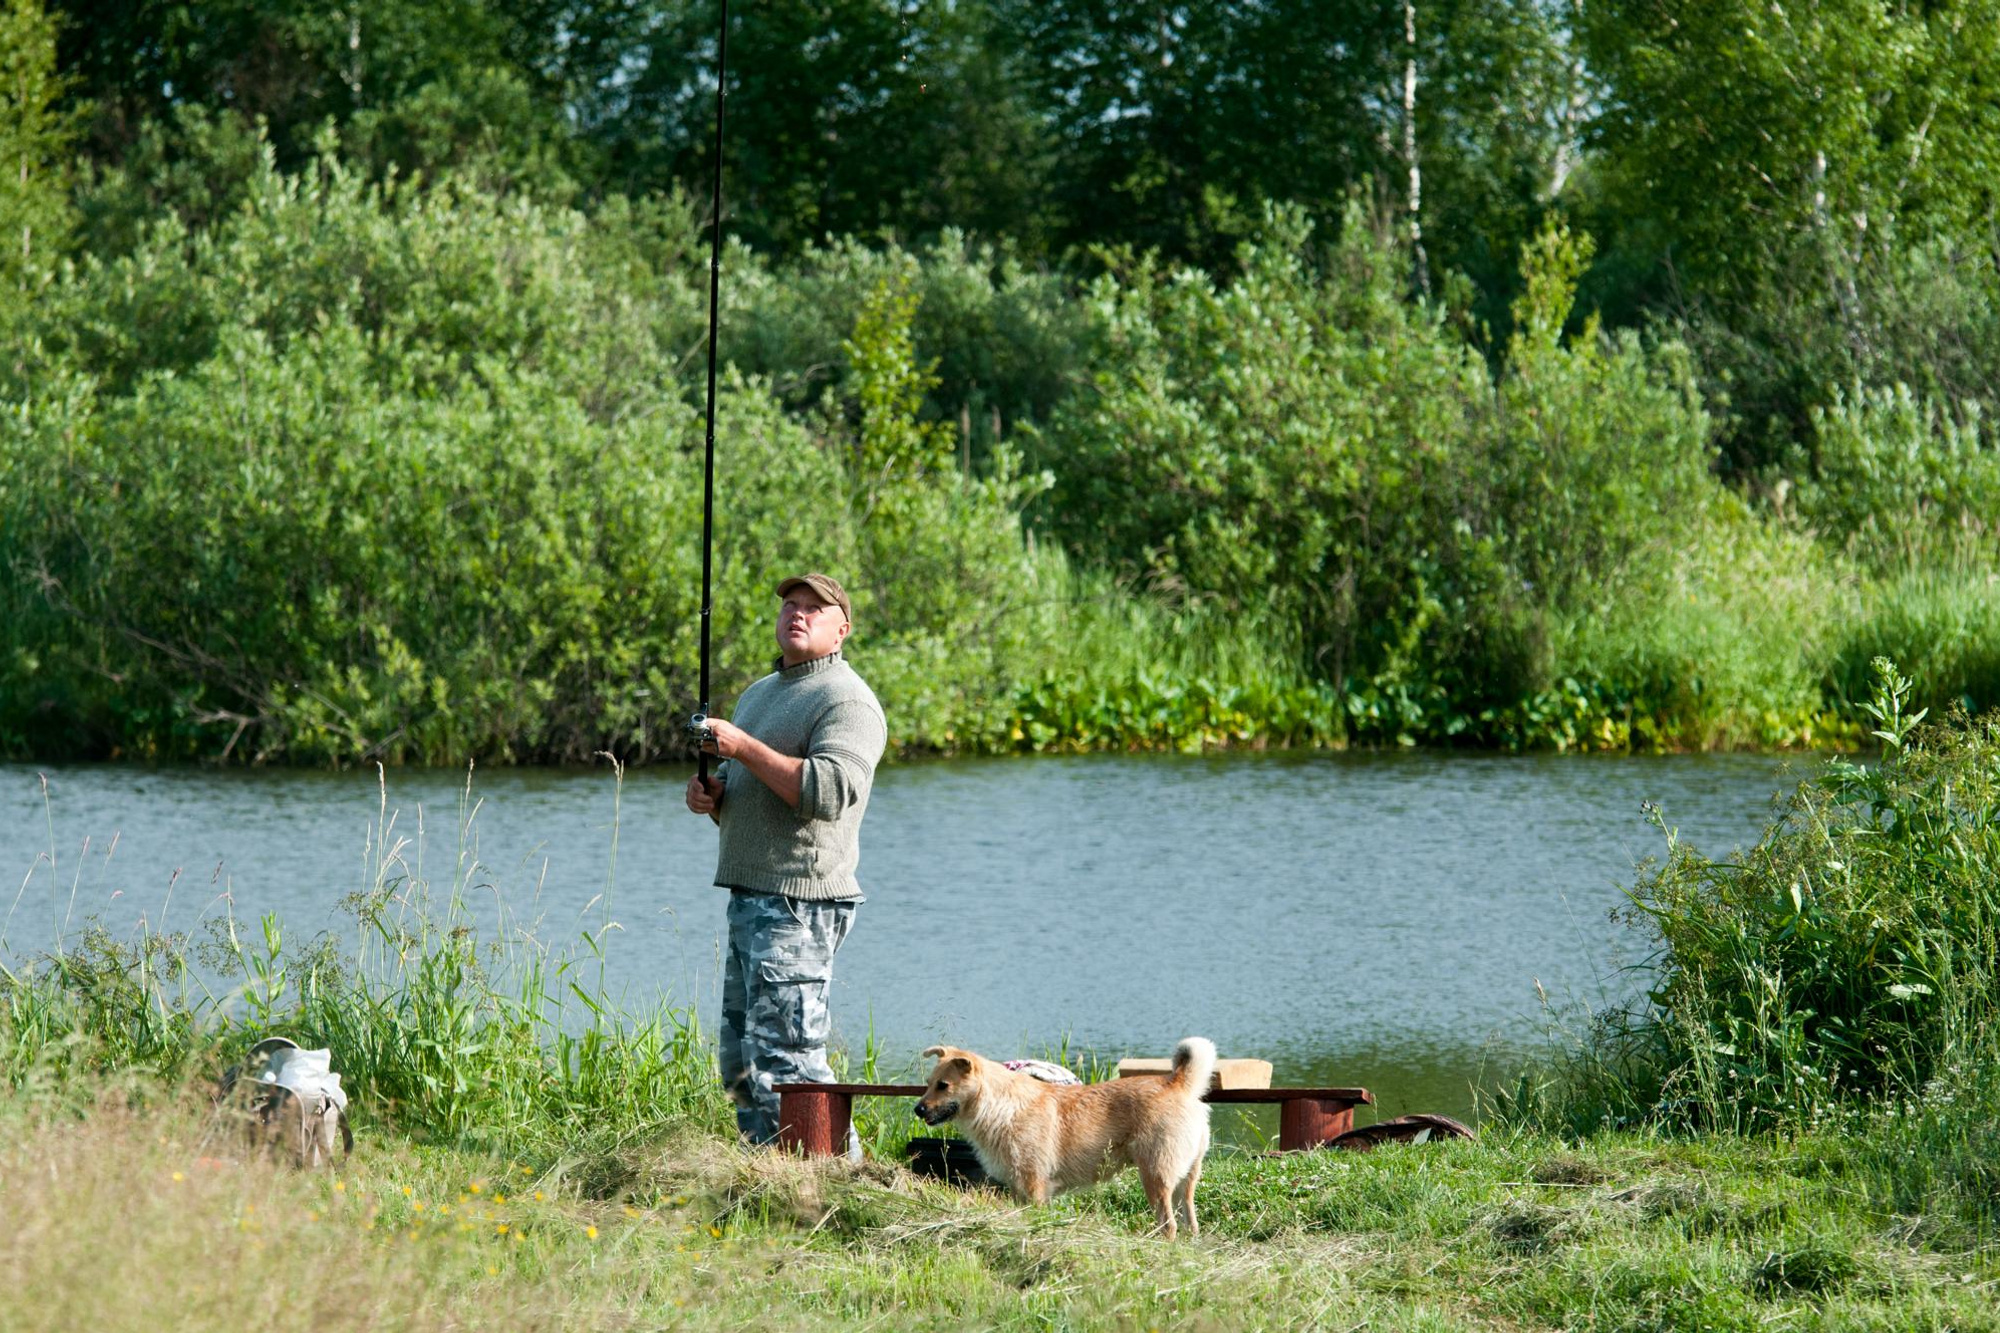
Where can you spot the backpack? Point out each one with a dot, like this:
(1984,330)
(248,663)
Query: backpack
(291,1103)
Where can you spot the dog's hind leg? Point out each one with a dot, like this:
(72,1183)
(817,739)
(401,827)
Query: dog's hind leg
(1159,1193)
(1185,1195)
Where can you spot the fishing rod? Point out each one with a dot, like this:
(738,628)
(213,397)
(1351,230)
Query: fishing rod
(697,725)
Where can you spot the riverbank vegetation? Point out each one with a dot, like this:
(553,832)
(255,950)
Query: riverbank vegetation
(1838,976)
(1795,1124)
(352,395)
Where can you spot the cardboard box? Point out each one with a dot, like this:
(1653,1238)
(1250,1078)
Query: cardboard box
(1229,1074)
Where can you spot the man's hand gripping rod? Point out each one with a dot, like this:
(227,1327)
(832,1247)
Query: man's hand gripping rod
(701,734)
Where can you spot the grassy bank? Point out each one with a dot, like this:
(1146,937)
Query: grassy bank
(678,1230)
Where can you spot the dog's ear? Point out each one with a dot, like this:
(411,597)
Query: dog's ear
(951,1058)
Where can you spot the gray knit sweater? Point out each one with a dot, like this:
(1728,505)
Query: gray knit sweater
(824,713)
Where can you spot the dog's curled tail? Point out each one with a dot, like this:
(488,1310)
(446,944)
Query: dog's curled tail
(1194,1064)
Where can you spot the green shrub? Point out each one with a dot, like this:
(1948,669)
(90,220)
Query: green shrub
(1846,959)
(1714,639)
(1004,341)
(362,471)
(1308,447)
(1901,482)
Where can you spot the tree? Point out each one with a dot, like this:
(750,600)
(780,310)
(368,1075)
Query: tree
(1769,168)
(295,63)
(1174,122)
(35,138)
(844,116)
(1504,100)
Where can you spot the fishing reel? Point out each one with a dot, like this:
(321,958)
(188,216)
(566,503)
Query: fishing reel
(698,730)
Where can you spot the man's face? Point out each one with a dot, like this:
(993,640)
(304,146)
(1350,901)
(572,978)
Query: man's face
(808,627)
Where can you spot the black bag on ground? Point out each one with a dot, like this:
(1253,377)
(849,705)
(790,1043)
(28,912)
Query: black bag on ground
(951,1160)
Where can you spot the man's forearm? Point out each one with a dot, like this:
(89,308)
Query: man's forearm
(780,772)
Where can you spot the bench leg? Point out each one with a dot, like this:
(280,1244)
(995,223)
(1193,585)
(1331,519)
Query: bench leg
(814,1121)
(1307,1122)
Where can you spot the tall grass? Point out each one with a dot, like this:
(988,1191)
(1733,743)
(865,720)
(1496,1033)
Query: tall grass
(1945,616)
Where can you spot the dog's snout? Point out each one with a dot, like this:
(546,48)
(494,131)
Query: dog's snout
(936,1115)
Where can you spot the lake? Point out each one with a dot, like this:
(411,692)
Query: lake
(1381,919)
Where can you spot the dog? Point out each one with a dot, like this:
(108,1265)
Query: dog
(1040,1139)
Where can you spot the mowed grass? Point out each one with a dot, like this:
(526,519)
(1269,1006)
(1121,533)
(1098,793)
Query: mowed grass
(144,1208)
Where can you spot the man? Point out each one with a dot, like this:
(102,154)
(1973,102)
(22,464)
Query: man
(799,759)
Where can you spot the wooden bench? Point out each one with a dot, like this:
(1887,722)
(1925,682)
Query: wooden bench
(813,1117)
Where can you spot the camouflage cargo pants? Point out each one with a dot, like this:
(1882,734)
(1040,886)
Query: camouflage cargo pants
(777,965)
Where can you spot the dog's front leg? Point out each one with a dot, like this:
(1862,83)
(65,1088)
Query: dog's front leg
(1031,1186)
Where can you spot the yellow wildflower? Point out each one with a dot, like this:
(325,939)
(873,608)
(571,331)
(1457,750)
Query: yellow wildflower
(590,1232)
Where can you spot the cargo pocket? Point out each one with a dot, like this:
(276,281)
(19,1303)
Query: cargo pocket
(791,1012)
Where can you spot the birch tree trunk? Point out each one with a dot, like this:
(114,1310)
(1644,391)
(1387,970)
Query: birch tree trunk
(1417,258)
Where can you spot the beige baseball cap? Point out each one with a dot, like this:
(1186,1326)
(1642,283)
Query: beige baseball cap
(828,589)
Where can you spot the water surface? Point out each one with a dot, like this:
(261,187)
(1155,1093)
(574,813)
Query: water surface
(1375,919)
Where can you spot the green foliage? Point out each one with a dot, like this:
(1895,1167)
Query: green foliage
(1948,618)
(36,135)
(1307,447)
(361,470)
(1904,483)
(1810,187)
(1004,340)
(1846,959)
(1750,129)
(1714,640)
(390,455)
(1245,445)
(845,116)
(342,470)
